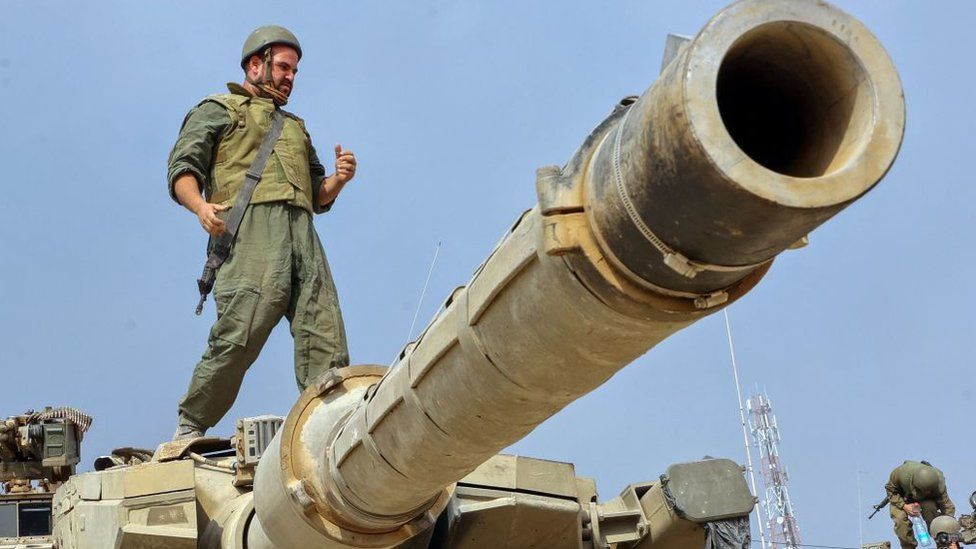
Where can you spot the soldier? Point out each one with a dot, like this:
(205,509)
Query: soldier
(276,266)
(946,531)
(916,488)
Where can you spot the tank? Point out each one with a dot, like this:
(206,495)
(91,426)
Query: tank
(776,116)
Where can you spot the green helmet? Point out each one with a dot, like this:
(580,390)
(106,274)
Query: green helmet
(944,524)
(265,36)
(926,480)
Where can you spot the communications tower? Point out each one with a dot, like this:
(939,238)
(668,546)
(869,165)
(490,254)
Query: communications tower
(777,508)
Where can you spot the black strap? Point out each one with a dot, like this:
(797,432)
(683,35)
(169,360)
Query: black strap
(221,246)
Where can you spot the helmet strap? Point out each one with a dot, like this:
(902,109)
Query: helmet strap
(267,66)
(265,86)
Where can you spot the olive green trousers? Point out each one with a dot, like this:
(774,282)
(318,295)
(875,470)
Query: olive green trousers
(276,269)
(903,528)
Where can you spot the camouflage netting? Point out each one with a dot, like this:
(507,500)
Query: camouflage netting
(728,534)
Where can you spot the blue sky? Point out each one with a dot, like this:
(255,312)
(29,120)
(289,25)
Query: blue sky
(862,340)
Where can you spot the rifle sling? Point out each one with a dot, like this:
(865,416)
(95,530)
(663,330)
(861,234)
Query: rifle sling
(251,179)
(222,245)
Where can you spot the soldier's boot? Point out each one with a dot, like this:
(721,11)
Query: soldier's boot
(187,430)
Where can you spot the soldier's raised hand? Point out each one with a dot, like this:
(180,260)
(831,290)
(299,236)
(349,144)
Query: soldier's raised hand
(913,509)
(207,214)
(345,163)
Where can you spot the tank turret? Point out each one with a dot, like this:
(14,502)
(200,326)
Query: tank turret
(774,118)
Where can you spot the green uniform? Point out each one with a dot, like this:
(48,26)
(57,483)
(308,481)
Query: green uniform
(900,491)
(277,267)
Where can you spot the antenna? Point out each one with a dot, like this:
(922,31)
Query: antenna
(745,433)
(423,293)
(860,500)
(857,510)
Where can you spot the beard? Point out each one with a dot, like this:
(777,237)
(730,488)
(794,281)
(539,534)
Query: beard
(284,87)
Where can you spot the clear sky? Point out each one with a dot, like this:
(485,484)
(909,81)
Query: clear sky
(863,340)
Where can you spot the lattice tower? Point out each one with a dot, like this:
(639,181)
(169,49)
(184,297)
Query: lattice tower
(778,509)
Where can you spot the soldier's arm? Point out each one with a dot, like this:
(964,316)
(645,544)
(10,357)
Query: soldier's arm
(193,152)
(331,186)
(894,490)
(945,504)
(191,159)
(322,203)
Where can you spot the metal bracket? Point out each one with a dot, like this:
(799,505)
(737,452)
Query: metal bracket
(299,492)
(672,46)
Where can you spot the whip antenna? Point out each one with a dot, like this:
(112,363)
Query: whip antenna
(745,435)
(423,293)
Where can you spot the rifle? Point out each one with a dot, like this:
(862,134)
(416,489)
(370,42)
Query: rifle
(878,507)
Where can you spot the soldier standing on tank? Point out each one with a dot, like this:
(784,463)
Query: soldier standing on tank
(277,266)
(916,488)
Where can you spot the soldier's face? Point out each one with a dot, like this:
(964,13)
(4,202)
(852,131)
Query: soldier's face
(284,67)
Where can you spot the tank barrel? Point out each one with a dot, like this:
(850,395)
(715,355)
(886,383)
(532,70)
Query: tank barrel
(774,118)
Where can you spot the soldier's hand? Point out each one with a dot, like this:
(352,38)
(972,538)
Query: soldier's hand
(345,163)
(913,509)
(207,214)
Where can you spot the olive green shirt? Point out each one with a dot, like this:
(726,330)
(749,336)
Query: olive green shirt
(900,489)
(196,147)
